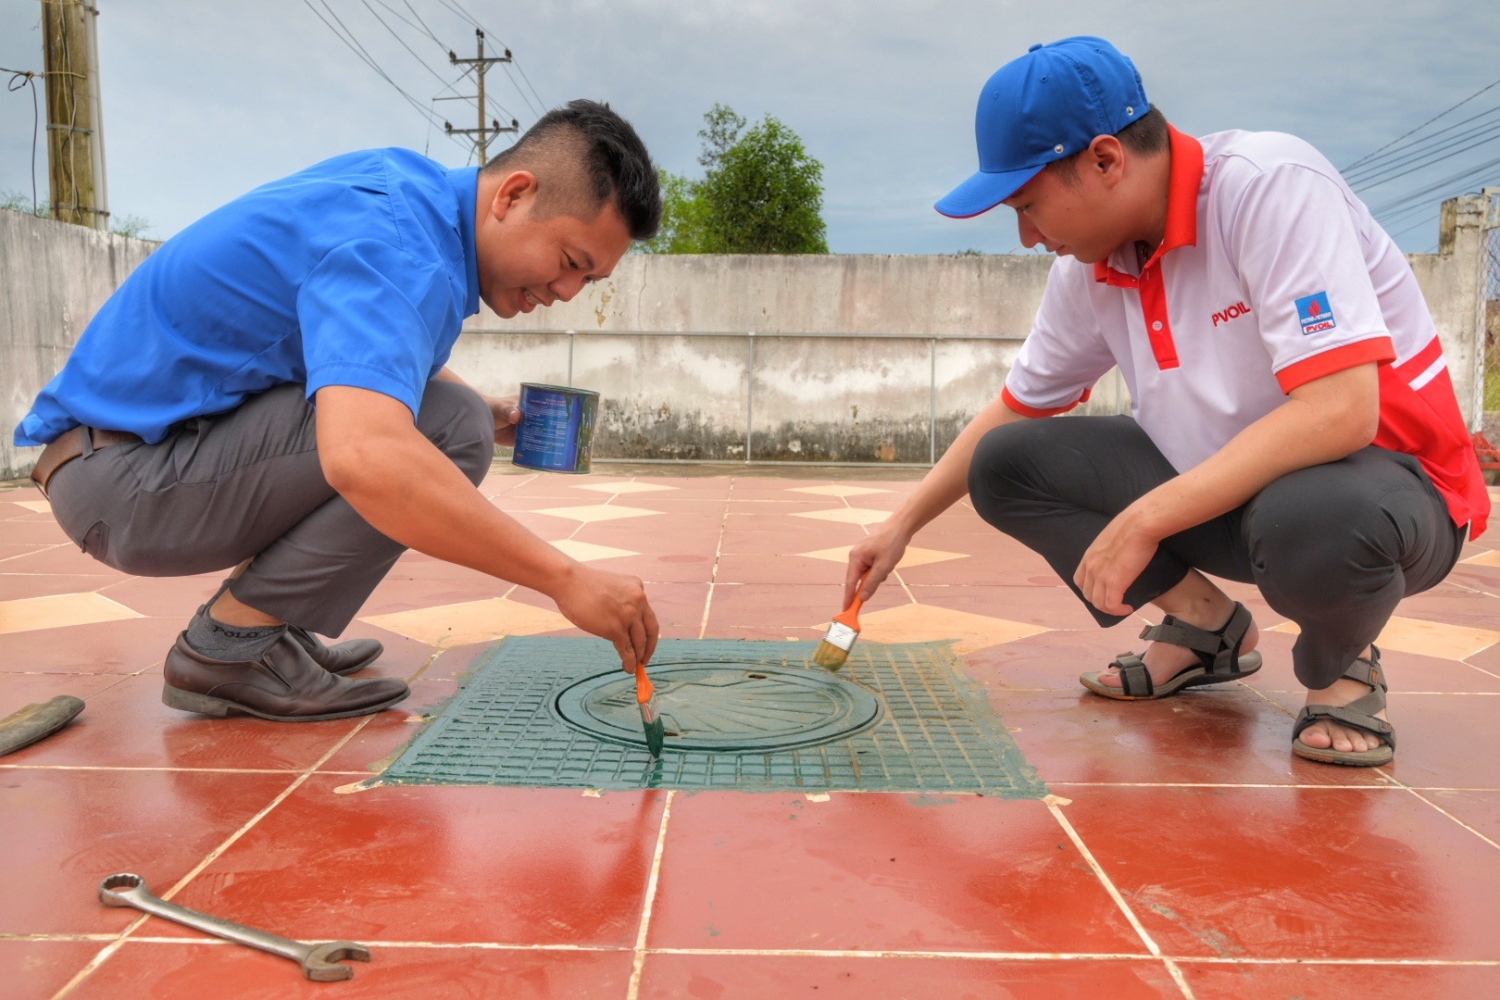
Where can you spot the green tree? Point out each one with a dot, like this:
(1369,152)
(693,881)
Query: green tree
(761,193)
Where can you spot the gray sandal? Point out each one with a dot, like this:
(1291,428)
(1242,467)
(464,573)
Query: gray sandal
(1219,659)
(1358,714)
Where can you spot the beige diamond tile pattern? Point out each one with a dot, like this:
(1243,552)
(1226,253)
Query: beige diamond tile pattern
(30,614)
(598,512)
(846,515)
(1491,558)
(914,556)
(589,552)
(926,623)
(835,490)
(623,487)
(1417,635)
(470,622)
(40,506)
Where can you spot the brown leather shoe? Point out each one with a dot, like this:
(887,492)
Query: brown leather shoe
(284,685)
(343,658)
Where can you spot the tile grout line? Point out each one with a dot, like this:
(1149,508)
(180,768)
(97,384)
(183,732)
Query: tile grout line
(108,950)
(713,576)
(1054,806)
(638,964)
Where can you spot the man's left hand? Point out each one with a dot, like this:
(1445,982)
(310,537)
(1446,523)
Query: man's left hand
(1118,556)
(507,411)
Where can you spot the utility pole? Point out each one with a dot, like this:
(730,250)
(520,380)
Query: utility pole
(75,136)
(487,126)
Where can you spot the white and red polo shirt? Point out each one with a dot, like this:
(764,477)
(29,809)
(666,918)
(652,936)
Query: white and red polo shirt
(1272,274)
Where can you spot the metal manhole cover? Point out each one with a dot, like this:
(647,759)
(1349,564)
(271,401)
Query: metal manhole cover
(724,708)
(557,712)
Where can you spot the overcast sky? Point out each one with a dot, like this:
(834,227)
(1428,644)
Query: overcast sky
(203,101)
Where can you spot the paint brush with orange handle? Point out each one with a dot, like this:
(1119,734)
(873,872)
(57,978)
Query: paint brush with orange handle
(833,651)
(645,697)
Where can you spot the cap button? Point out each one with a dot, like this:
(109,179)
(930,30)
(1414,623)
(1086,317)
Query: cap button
(1035,47)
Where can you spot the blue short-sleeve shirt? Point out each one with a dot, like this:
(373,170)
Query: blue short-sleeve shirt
(358,271)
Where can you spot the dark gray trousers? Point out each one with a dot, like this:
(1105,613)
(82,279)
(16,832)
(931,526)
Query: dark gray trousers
(247,484)
(1332,547)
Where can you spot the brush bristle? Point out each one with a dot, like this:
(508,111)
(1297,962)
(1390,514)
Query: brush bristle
(656,737)
(830,657)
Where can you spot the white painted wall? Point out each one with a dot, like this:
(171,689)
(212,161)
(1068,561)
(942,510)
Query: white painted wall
(884,358)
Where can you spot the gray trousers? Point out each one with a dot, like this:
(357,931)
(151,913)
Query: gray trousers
(247,484)
(1333,547)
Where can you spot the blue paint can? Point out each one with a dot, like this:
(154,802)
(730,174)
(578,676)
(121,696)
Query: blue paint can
(556,432)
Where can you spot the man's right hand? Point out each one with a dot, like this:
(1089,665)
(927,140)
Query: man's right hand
(614,607)
(877,555)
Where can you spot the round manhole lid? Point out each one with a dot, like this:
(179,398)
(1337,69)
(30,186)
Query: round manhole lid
(724,707)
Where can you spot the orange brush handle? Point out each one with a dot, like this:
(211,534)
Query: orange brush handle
(850,615)
(644,689)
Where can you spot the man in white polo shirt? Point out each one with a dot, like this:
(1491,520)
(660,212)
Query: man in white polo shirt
(1293,422)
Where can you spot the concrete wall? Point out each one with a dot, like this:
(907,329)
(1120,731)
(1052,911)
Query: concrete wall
(53,278)
(891,355)
(854,358)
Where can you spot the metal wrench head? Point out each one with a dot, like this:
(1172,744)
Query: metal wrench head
(321,963)
(110,893)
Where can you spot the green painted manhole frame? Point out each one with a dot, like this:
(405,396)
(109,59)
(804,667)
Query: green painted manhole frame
(935,730)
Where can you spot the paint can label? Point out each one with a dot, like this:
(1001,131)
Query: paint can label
(556,431)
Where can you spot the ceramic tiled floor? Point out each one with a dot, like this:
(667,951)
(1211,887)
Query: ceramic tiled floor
(1183,852)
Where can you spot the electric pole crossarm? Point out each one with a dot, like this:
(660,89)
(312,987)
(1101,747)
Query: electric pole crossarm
(487,126)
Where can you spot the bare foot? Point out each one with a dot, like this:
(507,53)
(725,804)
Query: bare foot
(1327,734)
(1195,601)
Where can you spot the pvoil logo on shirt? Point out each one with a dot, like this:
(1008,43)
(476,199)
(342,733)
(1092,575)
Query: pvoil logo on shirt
(1233,312)
(1315,314)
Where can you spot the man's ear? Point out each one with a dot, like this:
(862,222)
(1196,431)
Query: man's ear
(1106,159)
(515,187)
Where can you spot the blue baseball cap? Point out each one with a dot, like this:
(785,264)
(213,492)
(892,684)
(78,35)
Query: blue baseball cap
(1045,106)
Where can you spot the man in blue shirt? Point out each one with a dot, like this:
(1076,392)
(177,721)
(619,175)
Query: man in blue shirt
(268,392)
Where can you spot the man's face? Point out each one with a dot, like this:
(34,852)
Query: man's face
(1069,219)
(526,261)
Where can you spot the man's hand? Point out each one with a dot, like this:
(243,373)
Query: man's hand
(877,555)
(613,607)
(1118,556)
(507,411)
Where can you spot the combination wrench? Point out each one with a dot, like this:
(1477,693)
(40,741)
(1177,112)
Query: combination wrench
(318,961)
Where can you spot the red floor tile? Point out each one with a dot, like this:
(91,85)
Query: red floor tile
(35,970)
(231,972)
(1443,740)
(61,560)
(1295,873)
(175,597)
(1052,606)
(387,733)
(18,586)
(118,647)
(38,529)
(1454,605)
(1405,671)
(18,690)
(428,863)
(1479,810)
(1223,733)
(1341,982)
(878,871)
(788,605)
(741,977)
(64,831)
(126,725)
(1051,660)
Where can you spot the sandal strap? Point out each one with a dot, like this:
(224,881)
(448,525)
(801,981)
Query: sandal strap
(1218,651)
(1349,716)
(1135,679)
(1367,671)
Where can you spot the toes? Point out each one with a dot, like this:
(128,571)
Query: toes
(1316,737)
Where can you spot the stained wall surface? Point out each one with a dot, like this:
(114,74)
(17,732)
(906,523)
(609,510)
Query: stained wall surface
(863,358)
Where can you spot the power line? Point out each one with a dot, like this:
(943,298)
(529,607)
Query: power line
(1409,154)
(1377,163)
(1452,180)
(1420,127)
(1433,156)
(24,78)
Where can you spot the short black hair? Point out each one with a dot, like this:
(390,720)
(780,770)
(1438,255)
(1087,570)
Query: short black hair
(1146,136)
(612,158)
